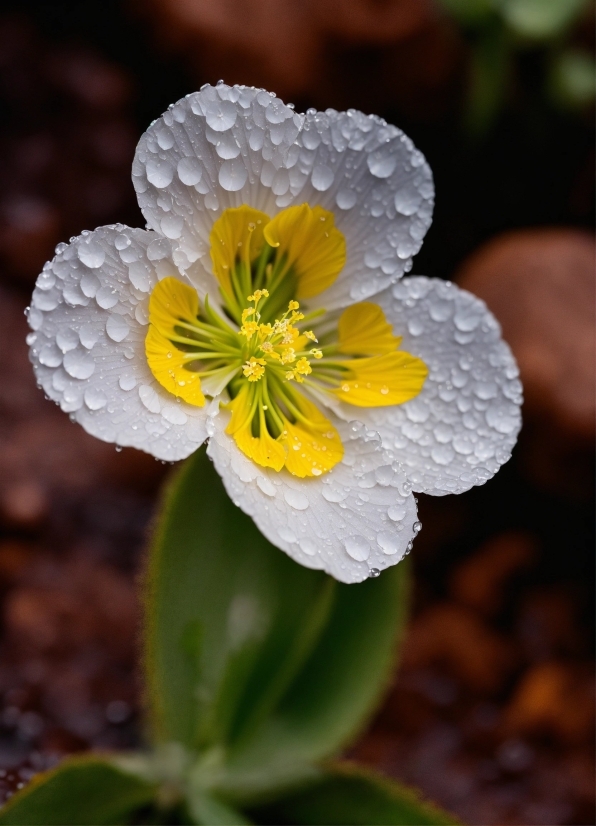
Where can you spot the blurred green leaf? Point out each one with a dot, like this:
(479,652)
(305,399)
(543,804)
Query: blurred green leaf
(470,12)
(347,794)
(573,78)
(209,811)
(540,19)
(489,69)
(82,790)
(258,663)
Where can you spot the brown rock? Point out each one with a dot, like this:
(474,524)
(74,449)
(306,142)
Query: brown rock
(479,581)
(540,285)
(350,53)
(453,637)
(556,699)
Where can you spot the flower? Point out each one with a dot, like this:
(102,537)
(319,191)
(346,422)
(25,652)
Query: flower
(263,310)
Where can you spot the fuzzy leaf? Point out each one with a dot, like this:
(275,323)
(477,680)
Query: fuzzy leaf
(348,795)
(82,790)
(250,655)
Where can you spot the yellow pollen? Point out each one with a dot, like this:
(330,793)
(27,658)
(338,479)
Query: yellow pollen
(258,295)
(318,354)
(249,328)
(303,366)
(311,336)
(254,369)
(293,305)
(288,356)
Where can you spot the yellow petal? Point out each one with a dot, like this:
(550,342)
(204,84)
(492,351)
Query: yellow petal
(364,331)
(236,236)
(311,450)
(393,378)
(315,248)
(263,449)
(172,301)
(167,364)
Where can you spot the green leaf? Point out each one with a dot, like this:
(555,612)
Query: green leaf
(250,656)
(82,790)
(489,73)
(572,79)
(348,795)
(209,811)
(541,19)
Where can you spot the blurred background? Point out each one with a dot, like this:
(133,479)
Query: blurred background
(491,713)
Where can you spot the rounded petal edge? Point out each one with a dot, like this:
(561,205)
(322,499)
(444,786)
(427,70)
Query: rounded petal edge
(380,189)
(89,316)
(462,426)
(352,522)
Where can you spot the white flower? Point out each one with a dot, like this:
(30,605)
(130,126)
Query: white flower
(262,309)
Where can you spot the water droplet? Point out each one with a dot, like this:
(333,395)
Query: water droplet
(374,573)
(322,177)
(67,339)
(233,174)
(117,328)
(346,198)
(127,382)
(221,115)
(417,527)
(388,542)
(106,297)
(189,171)
(396,512)
(334,494)
(308,546)
(286,534)
(50,355)
(121,242)
(159,173)
(357,547)
(296,499)
(79,364)
(381,162)
(91,253)
(94,398)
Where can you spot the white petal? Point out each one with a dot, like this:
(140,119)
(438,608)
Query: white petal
(89,351)
(357,519)
(463,425)
(378,186)
(214,149)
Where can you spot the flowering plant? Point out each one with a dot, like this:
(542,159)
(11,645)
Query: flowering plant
(262,311)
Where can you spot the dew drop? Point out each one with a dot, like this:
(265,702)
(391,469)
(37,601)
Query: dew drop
(91,253)
(78,364)
(357,547)
(322,177)
(388,542)
(296,499)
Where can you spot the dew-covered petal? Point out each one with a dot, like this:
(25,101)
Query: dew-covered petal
(218,148)
(88,347)
(352,522)
(464,423)
(380,189)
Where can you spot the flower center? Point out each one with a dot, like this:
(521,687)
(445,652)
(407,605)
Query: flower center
(264,355)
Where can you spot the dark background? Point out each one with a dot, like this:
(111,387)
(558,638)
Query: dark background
(491,713)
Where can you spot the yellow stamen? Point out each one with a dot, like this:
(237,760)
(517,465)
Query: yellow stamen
(254,369)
